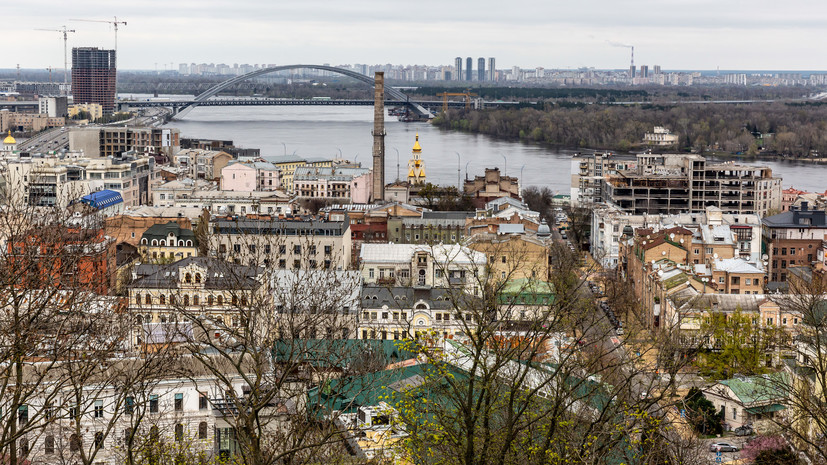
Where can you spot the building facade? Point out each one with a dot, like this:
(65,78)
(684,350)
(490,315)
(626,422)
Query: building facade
(93,77)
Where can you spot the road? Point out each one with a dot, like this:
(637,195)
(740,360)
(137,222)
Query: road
(46,141)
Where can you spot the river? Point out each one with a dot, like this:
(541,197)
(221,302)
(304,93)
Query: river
(323,131)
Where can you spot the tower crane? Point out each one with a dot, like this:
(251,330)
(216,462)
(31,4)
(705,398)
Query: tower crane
(65,33)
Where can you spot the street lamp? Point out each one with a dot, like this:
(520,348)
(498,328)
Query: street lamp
(285,148)
(466,170)
(397,163)
(340,152)
(520,181)
(505,160)
(459,181)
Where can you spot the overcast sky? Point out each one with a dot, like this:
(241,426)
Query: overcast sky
(677,34)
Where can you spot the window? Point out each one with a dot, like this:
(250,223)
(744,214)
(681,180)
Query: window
(74,443)
(734,413)
(237,248)
(748,281)
(282,249)
(23,414)
(220,300)
(210,299)
(153,403)
(163,299)
(503,258)
(179,432)
(49,445)
(720,279)
(370,272)
(769,321)
(179,402)
(297,249)
(202,430)
(202,402)
(328,250)
(197,277)
(98,409)
(188,278)
(129,405)
(148,299)
(195,300)
(99,440)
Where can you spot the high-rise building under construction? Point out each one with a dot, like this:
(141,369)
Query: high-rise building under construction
(93,77)
(492,69)
(469,64)
(480,69)
(458,66)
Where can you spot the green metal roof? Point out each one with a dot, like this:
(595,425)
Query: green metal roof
(766,409)
(161,231)
(758,388)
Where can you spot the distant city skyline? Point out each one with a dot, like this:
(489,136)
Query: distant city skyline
(690,35)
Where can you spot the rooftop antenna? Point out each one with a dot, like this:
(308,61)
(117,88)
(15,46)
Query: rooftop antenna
(65,33)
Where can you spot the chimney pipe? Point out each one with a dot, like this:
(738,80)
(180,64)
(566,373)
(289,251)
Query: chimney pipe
(379,137)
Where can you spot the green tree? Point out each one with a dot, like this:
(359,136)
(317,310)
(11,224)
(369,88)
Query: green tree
(701,413)
(739,345)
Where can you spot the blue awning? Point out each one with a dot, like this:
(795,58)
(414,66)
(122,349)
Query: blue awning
(102,199)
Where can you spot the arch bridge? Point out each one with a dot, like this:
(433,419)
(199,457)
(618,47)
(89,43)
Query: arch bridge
(390,93)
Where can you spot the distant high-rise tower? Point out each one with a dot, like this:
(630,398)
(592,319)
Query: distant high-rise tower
(657,69)
(480,69)
(632,71)
(93,77)
(469,64)
(458,66)
(492,69)
(644,71)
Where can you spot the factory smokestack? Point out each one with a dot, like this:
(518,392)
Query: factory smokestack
(379,137)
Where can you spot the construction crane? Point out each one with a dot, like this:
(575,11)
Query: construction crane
(445,96)
(114,23)
(65,33)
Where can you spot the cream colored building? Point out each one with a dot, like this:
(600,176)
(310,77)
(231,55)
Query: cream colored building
(95,110)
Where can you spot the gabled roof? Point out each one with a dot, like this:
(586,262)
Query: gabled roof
(162,231)
(758,389)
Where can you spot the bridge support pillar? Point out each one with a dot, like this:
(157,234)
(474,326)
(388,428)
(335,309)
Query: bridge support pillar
(378,193)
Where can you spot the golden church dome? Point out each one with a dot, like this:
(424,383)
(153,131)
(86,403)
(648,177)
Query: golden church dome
(416,147)
(9,140)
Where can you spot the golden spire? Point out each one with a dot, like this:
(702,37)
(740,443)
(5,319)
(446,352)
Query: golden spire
(9,140)
(416,147)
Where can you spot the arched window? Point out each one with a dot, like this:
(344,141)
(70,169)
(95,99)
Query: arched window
(143,242)
(244,300)
(202,430)
(186,301)
(195,300)
(180,243)
(220,300)
(197,277)
(188,278)
(210,299)
(139,320)
(148,299)
(74,443)
(235,300)
(154,242)
(163,243)
(189,243)
(163,299)
(138,299)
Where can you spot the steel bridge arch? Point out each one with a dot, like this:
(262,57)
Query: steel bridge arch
(212,91)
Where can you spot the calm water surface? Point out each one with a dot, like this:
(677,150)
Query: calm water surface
(325,131)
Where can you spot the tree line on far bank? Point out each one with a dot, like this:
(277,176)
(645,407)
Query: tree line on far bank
(785,129)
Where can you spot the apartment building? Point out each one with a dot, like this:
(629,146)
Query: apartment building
(432,228)
(587,175)
(609,224)
(166,243)
(250,176)
(404,312)
(203,164)
(59,180)
(491,186)
(341,184)
(792,238)
(423,266)
(677,183)
(287,165)
(100,141)
(24,122)
(283,242)
(160,293)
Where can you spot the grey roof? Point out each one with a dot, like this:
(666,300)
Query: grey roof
(511,229)
(219,275)
(161,231)
(725,302)
(333,173)
(793,219)
(451,215)
(278,226)
(375,297)
(284,159)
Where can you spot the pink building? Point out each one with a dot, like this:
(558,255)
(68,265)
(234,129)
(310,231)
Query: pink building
(333,183)
(789,196)
(249,177)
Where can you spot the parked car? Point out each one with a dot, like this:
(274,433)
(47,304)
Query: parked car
(745,430)
(724,446)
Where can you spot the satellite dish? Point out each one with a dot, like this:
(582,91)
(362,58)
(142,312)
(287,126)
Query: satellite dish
(681,241)
(663,253)
(660,272)
(715,255)
(765,257)
(672,236)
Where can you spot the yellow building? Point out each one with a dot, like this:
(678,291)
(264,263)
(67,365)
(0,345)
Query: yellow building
(513,256)
(166,243)
(416,167)
(94,109)
(287,165)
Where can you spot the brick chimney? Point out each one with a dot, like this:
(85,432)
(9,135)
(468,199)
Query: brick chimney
(378,194)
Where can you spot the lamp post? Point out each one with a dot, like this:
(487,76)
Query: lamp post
(459,180)
(285,148)
(505,160)
(397,163)
(466,170)
(340,152)
(520,181)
